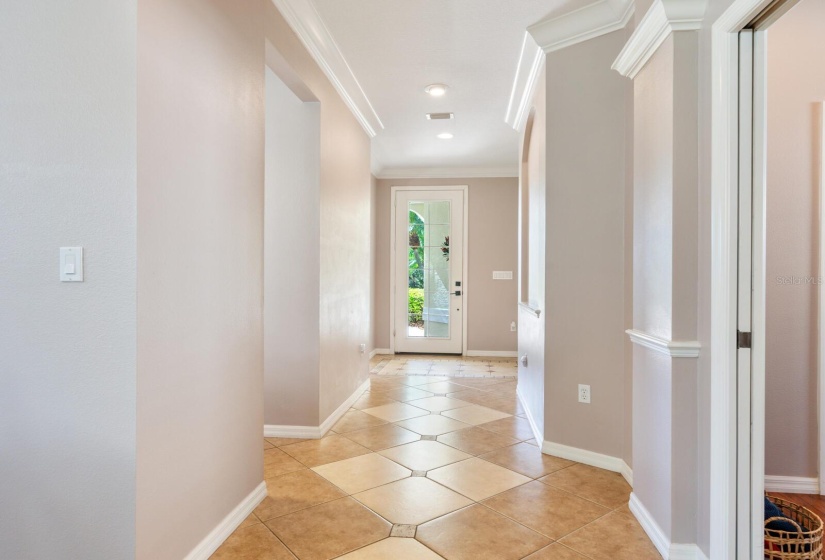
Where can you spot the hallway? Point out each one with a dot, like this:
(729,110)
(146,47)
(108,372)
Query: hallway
(439,457)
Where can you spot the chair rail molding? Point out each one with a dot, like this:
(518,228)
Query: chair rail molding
(662,18)
(307,23)
(674,349)
(591,21)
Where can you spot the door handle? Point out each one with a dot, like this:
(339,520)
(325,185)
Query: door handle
(457,293)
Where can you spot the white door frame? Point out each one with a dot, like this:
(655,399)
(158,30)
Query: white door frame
(821,347)
(465,272)
(725,143)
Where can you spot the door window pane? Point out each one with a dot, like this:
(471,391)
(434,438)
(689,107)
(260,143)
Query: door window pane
(429,282)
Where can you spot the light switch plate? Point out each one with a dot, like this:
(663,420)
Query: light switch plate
(502,275)
(71,264)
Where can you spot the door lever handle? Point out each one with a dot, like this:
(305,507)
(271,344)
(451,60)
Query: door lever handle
(457,293)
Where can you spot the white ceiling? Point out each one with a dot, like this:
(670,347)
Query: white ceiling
(395,48)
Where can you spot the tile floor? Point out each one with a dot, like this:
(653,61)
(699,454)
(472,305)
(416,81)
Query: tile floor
(435,461)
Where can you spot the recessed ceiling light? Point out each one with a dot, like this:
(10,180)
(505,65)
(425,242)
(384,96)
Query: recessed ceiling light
(436,90)
(445,135)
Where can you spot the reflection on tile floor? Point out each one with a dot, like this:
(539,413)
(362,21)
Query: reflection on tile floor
(435,461)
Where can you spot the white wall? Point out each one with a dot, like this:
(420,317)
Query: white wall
(200,100)
(291,257)
(67,372)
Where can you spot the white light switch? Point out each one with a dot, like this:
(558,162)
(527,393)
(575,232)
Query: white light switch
(71,264)
(502,275)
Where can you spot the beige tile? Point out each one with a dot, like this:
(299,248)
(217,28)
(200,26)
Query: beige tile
(356,420)
(527,460)
(250,520)
(416,380)
(329,530)
(512,426)
(547,510)
(396,411)
(441,387)
(254,543)
(424,455)
(295,491)
(412,501)
(475,414)
(405,393)
(276,463)
(616,536)
(438,404)
(395,549)
(362,473)
(478,533)
(597,485)
(267,445)
(316,452)
(477,479)
(281,441)
(476,441)
(478,382)
(371,400)
(556,552)
(382,437)
(433,425)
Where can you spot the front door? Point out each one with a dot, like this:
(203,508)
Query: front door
(429,260)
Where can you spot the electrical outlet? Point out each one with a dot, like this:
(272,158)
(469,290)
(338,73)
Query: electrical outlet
(584,394)
(363,348)
(513,326)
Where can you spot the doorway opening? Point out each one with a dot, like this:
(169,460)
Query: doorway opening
(766,168)
(428,274)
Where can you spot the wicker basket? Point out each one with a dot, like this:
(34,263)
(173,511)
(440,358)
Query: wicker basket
(784,545)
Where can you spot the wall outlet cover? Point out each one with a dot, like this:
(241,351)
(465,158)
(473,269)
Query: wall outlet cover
(584,394)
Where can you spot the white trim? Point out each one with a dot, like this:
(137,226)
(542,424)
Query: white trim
(648,523)
(465,254)
(821,317)
(663,18)
(383,352)
(792,484)
(686,552)
(372,353)
(446,172)
(538,435)
(591,21)
(530,309)
(598,460)
(307,23)
(674,349)
(627,473)
(316,432)
(232,521)
(531,62)
(724,246)
(491,353)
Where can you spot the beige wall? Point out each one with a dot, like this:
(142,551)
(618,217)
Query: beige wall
(492,245)
(200,196)
(585,244)
(796,87)
(345,228)
(291,257)
(67,177)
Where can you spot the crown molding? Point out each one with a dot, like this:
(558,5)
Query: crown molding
(588,22)
(663,18)
(306,22)
(446,172)
(531,62)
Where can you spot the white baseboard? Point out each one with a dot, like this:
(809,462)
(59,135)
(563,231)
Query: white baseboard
(491,353)
(654,532)
(219,534)
(316,432)
(537,434)
(627,473)
(591,458)
(382,352)
(686,552)
(792,484)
